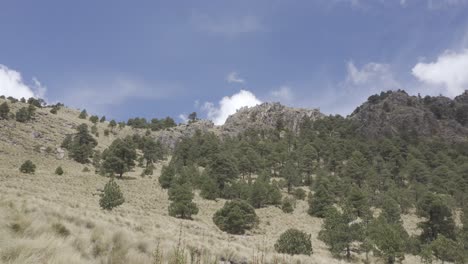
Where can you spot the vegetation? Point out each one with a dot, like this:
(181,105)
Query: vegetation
(80,145)
(293,242)
(119,157)
(83,114)
(28,167)
(4,110)
(111,196)
(59,170)
(235,217)
(182,206)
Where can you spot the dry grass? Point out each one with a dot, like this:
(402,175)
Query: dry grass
(46,218)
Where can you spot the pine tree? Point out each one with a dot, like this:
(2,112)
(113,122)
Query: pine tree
(182,205)
(4,110)
(112,124)
(111,196)
(391,210)
(103,119)
(357,199)
(439,218)
(236,217)
(82,144)
(119,157)
(28,167)
(152,150)
(222,170)
(291,175)
(389,240)
(308,160)
(83,114)
(356,168)
(167,175)
(320,202)
(294,242)
(259,194)
(94,119)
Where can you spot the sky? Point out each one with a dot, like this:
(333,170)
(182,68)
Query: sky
(153,58)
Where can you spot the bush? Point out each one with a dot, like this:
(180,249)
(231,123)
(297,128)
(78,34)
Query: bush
(299,194)
(4,110)
(182,205)
(111,196)
(28,167)
(294,242)
(59,170)
(83,114)
(288,205)
(24,114)
(94,119)
(236,217)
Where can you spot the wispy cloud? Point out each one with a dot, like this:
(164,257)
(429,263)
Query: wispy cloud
(12,84)
(229,27)
(449,72)
(228,105)
(284,94)
(233,77)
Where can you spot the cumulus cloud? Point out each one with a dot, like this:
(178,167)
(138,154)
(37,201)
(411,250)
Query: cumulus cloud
(229,105)
(224,26)
(233,77)
(449,71)
(12,84)
(284,94)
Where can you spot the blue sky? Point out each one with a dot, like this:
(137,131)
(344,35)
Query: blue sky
(159,58)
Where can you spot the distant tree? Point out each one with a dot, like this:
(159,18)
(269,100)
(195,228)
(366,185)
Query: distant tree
(236,217)
(439,218)
(446,249)
(319,202)
(339,232)
(248,162)
(391,210)
(167,176)
(294,242)
(291,175)
(103,119)
(389,240)
(24,114)
(259,194)
(152,150)
(209,188)
(112,196)
(12,99)
(119,157)
(112,124)
(81,145)
(287,205)
(192,117)
(356,168)
(4,110)
(36,102)
(83,114)
(222,170)
(308,160)
(59,170)
(358,201)
(28,167)
(182,205)
(94,119)
(54,110)
(169,122)
(121,125)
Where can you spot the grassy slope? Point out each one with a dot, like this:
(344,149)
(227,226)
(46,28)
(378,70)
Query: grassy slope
(35,208)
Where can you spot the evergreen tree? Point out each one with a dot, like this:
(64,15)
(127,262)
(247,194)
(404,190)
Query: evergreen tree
(291,175)
(439,218)
(28,167)
(236,217)
(167,175)
(320,202)
(182,205)
(119,157)
(192,117)
(59,170)
(81,145)
(294,242)
(103,119)
(357,199)
(288,205)
(152,150)
(308,160)
(389,240)
(111,196)
(259,194)
(94,119)
(339,232)
(23,114)
(391,210)
(83,114)
(356,168)
(446,249)
(4,110)
(222,170)
(112,124)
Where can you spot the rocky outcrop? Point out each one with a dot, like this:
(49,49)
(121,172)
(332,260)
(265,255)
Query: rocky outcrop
(268,116)
(169,137)
(397,113)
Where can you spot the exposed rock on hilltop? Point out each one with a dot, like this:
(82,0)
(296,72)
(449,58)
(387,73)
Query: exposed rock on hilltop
(268,116)
(392,113)
(172,135)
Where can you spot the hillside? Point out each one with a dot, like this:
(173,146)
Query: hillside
(47,218)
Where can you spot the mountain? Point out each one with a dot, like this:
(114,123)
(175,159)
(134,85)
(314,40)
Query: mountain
(397,113)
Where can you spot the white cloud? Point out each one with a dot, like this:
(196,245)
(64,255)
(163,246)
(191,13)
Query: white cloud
(376,76)
(12,84)
(229,105)
(233,77)
(284,94)
(449,71)
(227,27)
(184,118)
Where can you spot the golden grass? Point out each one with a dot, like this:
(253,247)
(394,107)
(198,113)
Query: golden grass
(46,218)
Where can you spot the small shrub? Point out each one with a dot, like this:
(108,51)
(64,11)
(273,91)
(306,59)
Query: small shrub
(61,230)
(28,167)
(54,110)
(287,205)
(236,217)
(299,194)
(94,119)
(148,170)
(294,242)
(59,170)
(85,169)
(83,114)
(106,132)
(111,196)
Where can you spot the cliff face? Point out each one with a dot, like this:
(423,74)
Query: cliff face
(397,113)
(268,116)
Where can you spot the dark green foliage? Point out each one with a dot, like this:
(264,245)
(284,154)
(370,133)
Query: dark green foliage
(94,119)
(12,99)
(391,210)
(209,188)
(152,150)
(36,102)
(222,170)
(389,240)
(81,145)
(103,119)
(192,117)
(112,124)
(308,162)
(288,205)
(294,242)
(339,232)
(356,168)
(236,217)
(167,175)
(439,218)
(28,167)
(357,199)
(83,114)
(299,194)
(59,170)
(54,110)
(291,175)
(4,110)
(182,205)
(319,202)
(25,114)
(111,196)
(119,157)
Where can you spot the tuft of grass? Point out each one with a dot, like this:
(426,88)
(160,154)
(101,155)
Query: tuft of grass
(61,230)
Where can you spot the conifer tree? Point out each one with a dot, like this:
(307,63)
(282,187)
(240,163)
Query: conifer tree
(111,196)
(28,167)
(308,159)
(182,205)
(291,175)
(236,217)
(4,110)
(103,119)
(81,145)
(439,218)
(83,114)
(167,176)
(119,157)
(356,168)
(389,240)
(320,202)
